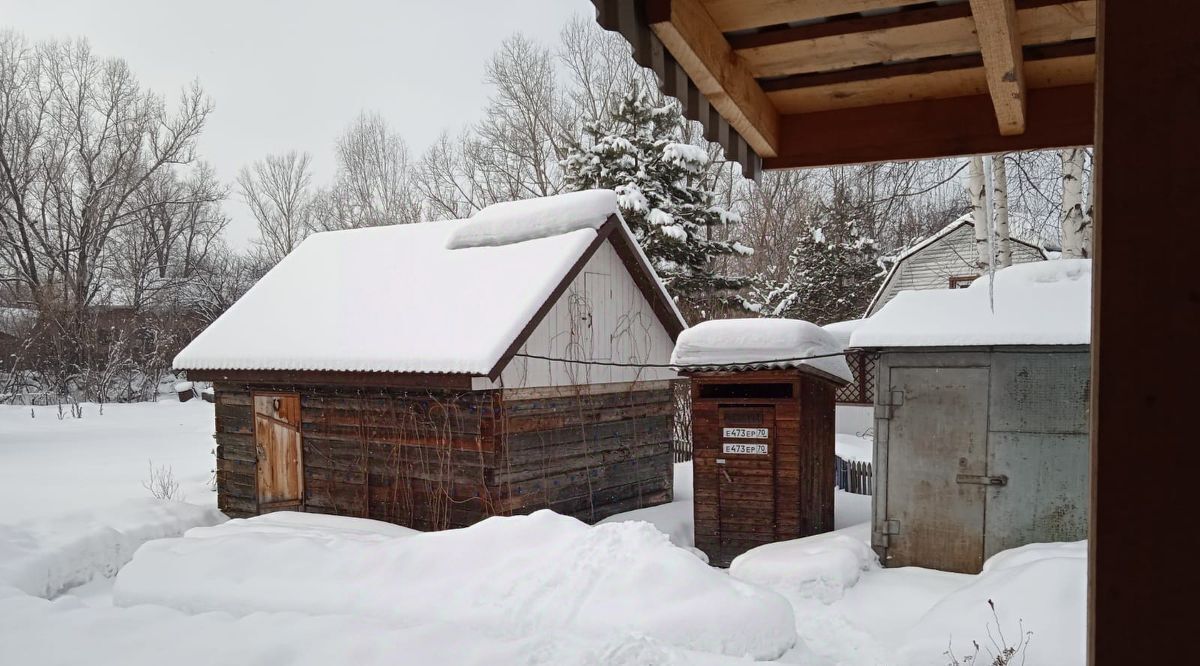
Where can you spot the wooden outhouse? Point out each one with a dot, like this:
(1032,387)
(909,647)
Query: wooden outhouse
(435,374)
(981,417)
(762,431)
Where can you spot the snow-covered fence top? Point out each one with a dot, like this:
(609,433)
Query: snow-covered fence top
(400,299)
(1041,303)
(751,344)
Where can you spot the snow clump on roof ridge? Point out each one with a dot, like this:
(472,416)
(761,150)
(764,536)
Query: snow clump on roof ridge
(516,221)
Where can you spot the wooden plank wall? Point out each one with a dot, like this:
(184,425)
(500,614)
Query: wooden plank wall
(420,459)
(804,460)
(441,459)
(588,456)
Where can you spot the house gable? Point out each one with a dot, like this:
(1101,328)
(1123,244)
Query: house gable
(609,309)
(942,261)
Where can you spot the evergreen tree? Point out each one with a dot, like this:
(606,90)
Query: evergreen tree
(830,275)
(638,151)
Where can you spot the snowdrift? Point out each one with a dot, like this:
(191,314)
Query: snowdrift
(819,567)
(522,575)
(46,557)
(1039,588)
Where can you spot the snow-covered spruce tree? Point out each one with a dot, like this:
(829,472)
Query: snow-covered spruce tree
(830,275)
(638,152)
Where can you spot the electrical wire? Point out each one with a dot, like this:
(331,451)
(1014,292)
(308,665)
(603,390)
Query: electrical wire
(686,366)
(1054,349)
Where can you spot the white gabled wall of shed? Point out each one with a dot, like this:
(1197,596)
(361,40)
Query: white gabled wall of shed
(602,316)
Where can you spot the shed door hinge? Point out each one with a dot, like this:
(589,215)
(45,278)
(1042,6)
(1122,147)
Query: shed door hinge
(891,527)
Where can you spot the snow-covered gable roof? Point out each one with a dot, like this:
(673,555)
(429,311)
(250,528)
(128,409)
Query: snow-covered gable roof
(964,220)
(751,344)
(1038,303)
(399,299)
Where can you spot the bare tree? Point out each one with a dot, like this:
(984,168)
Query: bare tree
(374,184)
(80,141)
(981,217)
(172,235)
(278,190)
(1076,231)
(1000,198)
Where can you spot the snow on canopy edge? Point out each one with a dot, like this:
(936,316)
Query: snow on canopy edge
(747,344)
(1045,303)
(526,219)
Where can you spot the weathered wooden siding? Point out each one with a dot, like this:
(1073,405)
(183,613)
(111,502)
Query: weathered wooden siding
(588,454)
(602,316)
(931,267)
(417,458)
(436,459)
(793,484)
(950,420)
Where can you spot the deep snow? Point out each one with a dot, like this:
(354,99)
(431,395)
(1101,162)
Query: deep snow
(1037,303)
(626,594)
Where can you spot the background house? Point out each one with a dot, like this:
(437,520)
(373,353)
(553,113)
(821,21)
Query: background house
(945,260)
(434,374)
(981,416)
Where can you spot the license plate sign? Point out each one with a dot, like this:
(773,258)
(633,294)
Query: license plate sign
(746,433)
(744,449)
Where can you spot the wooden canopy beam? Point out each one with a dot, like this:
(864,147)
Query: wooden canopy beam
(731,15)
(932,128)
(688,32)
(1000,45)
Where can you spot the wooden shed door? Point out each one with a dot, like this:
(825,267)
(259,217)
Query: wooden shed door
(937,447)
(277,439)
(746,478)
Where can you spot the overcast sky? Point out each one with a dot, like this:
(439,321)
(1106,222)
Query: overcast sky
(291,75)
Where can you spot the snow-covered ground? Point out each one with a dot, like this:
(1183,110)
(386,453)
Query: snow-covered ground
(540,589)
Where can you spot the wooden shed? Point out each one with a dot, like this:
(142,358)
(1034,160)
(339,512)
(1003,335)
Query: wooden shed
(981,417)
(435,374)
(762,431)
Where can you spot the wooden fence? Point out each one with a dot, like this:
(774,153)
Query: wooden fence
(852,476)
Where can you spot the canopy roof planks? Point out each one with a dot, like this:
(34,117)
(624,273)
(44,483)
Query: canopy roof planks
(796,84)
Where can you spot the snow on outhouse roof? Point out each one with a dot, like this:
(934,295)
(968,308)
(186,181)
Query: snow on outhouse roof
(747,343)
(399,299)
(1038,303)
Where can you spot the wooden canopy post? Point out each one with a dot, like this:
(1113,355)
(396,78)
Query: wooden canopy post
(1146,318)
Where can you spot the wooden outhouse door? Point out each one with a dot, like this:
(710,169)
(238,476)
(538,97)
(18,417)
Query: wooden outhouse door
(936,466)
(277,440)
(746,477)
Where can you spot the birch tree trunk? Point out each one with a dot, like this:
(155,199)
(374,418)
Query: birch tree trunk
(1074,222)
(1087,213)
(1000,196)
(982,220)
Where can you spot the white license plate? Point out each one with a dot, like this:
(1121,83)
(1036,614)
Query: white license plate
(745,449)
(746,433)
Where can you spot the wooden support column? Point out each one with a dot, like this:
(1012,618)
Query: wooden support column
(1146,322)
(1000,44)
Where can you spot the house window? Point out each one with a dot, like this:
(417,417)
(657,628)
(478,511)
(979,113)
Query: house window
(961,281)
